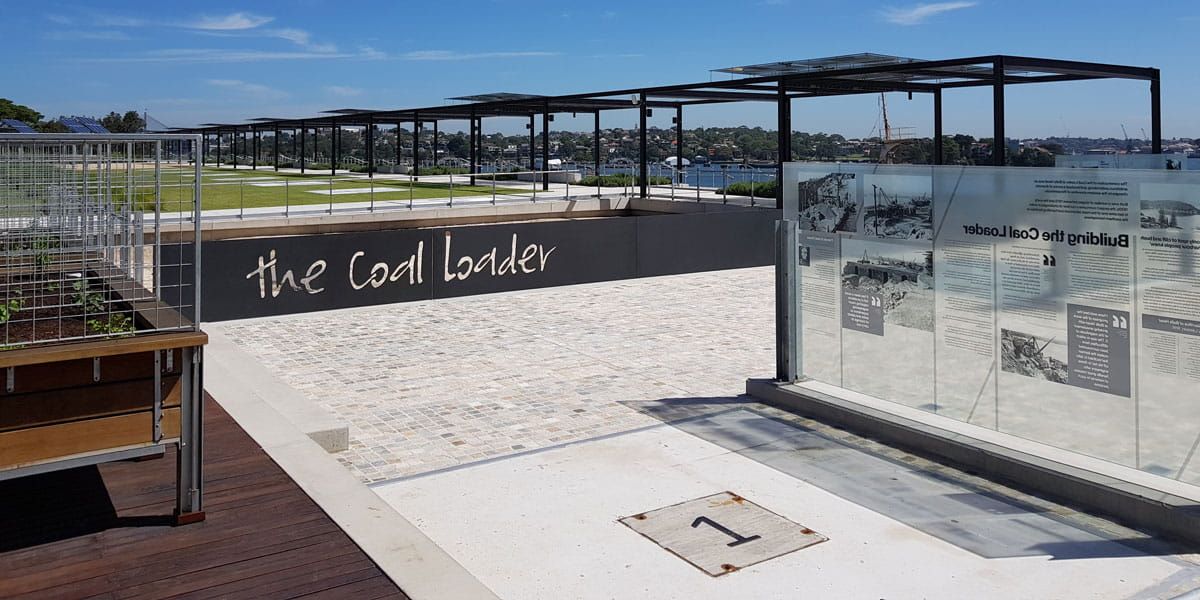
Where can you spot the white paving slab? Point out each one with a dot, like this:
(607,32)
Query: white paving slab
(544,525)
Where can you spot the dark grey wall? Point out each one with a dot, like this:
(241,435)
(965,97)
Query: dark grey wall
(327,271)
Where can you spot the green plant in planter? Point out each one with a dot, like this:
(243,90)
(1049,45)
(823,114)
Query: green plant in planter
(42,247)
(92,302)
(8,309)
(119,325)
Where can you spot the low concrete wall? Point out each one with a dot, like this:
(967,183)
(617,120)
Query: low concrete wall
(555,177)
(1125,500)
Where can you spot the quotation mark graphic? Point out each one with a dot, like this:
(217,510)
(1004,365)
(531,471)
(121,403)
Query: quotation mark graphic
(1048,260)
(876,301)
(1119,322)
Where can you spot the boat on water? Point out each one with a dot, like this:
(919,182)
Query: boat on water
(672,160)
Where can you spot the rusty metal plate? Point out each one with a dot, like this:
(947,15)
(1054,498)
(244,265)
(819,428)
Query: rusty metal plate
(722,533)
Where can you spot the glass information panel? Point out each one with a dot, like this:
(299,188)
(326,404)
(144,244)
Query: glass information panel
(1060,305)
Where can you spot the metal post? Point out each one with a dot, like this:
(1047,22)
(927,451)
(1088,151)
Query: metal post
(399,154)
(1156,114)
(546,148)
(788,348)
(643,170)
(939,157)
(596,152)
(435,143)
(784,142)
(218,147)
(189,463)
(275,148)
(416,137)
(303,150)
(679,142)
(532,144)
(335,141)
(999,148)
(473,145)
(370,149)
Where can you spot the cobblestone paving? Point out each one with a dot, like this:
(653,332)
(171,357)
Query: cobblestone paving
(428,385)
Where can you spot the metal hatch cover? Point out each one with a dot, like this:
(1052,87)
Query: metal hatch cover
(722,533)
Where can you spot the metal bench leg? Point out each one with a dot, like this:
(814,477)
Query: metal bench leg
(190,476)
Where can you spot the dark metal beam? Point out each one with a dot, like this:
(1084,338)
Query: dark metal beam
(938,150)
(596,149)
(435,143)
(532,144)
(416,139)
(275,148)
(679,143)
(783,142)
(999,147)
(370,148)
(303,147)
(643,168)
(546,149)
(1156,115)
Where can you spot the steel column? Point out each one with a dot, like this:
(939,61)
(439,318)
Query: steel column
(399,154)
(679,145)
(189,461)
(254,161)
(939,157)
(1155,115)
(335,142)
(435,143)
(416,138)
(370,134)
(789,365)
(303,148)
(473,149)
(596,147)
(275,148)
(643,169)
(783,109)
(999,145)
(532,145)
(546,148)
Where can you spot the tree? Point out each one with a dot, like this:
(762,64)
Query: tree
(20,112)
(130,122)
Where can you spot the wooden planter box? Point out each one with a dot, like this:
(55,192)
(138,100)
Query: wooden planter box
(87,402)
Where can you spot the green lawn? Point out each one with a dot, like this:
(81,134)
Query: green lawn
(232,192)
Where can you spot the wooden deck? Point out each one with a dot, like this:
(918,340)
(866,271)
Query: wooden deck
(102,532)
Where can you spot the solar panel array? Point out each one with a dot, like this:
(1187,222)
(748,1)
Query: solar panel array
(16,126)
(73,125)
(83,125)
(93,125)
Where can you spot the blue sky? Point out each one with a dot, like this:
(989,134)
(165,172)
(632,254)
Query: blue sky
(188,63)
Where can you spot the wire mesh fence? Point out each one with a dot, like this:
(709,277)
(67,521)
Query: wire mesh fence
(82,236)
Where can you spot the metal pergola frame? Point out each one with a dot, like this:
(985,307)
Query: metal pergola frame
(780,83)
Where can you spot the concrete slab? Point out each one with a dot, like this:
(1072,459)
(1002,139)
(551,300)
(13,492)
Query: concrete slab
(550,530)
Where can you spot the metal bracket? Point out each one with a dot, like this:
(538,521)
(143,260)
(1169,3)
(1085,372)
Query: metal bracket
(170,360)
(96,369)
(158,396)
(11,378)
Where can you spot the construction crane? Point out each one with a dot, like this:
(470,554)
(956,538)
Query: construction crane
(1128,146)
(892,137)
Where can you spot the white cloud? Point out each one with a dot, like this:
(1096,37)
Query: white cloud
(300,38)
(342,91)
(100,35)
(210,55)
(231,22)
(917,14)
(59,19)
(452,55)
(254,90)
